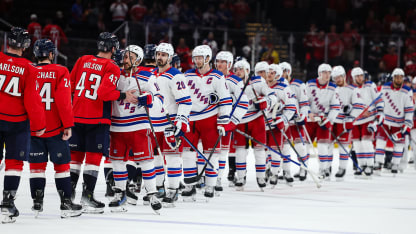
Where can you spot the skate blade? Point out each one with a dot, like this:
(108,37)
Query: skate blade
(339,179)
(131,201)
(168,205)
(146,203)
(8,219)
(239,188)
(231,185)
(92,210)
(65,214)
(217,193)
(156,212)
(189,199)
(120,209)
(273,186)
(290,184)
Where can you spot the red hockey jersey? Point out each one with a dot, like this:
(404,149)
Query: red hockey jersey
(55,90)
(18,95)
(93,84)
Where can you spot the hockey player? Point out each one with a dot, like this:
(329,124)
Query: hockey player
(176,62)
(398,120)
(324,102)
(364,127)
(55,91)
(20,102)
(278,118)
(210,114)
(170,83)
(149,59)
(261,97)
(296,127)
(343,125)
(130,130)
(224,63)
(93,84)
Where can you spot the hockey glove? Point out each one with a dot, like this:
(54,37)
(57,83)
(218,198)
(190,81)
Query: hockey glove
(146,100)
(261,104)
(301,119)
(325,123)
(379,118)
(181,125)
(223,129)
(397,136)
(171,140)
(281,123)
(348,126)
(372,127)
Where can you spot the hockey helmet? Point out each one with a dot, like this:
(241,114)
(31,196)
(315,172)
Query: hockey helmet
(225,56)
(242,64)
(286,67)
(277,69)
(204,51)
(397,72)
(106,41)
(149,52)
(175,60)
(136,50)
(43,47)
(337,71)
(18,38)
(261,66)
(356,71)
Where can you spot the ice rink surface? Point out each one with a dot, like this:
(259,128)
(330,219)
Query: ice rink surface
(384,204)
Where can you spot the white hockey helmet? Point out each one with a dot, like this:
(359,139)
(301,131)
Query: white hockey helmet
(286,67)
(277,69)
(397,72)
(338,71)
(356,71)
(204,51)
(261,66)
(225,56)
(136,50)
(165,48)
(324,67)
(244,65)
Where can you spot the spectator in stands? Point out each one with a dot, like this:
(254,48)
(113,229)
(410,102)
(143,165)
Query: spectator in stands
(138,11)
(372,24)
(319,48)
(389,18)
(308,40)
(335,46)
(118,11)
(55,33)
(229,46)
(389,60)
(350,38)
(187,18)
(76,13)
(60,20)
(209,18)
(184,53)
(397,27)
(174,9)
(374,54)
(224,16)
(271,55)
(410,46)
(210,41)
(34,28)
(91,15)
(410,68)
(240,12)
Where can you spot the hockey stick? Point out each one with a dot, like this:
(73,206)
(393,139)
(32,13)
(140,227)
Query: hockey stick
(318,185)
(366,109)
(349,152)
(387,134)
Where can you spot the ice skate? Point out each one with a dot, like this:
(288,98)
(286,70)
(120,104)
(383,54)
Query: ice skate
(339,176)
(321,175)
(377,169)
(109,192)
(8,209)
(38,202)
(117,205)
(201,183)
(288,178)
(161,193)
(231,178)
(89,204)
(170,198)
(131,197)
(273,181)
(209,193)
(68,208)
(268,175)
(261,183)
(368,171)
(302,174)
(146,200)
(394,169)
(327,172)
(218,187)
(239,184)
(358,174)
(155,204)
(189,193)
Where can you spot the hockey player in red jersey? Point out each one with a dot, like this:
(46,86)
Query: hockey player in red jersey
(55,91)
(93,84)
(20,102)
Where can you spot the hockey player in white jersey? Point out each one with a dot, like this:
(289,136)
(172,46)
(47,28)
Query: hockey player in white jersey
(325,107)
(211,107)
(398,119)
(296,127)
(261,98)
(343,124)
(363,133)
(224,63)
(130,130)
(278,118)
(171,84)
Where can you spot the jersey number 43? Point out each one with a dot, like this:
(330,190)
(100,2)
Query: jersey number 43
(91,92)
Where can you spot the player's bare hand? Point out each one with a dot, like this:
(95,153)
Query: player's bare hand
(40,132)
(67,134)
(131,96)
(311,117)
(366,114)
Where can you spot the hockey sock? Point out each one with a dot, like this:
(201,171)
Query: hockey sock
(12,174)
(304,155)
(174,170)
(200,163)
(76,161)
(189,164)
(222,161)
(330,157)
(37,177)
(231,162)
(260,160)
(323,155)
(160,170)
(211,172)
(275,162)
(92,166)
(380,146)
(360,154)
(241,162)
(149,176)
(397,153)
(131,170)
(108,170)
(368,150)
(62,179)
(120,174)
(286,163)
(343,157)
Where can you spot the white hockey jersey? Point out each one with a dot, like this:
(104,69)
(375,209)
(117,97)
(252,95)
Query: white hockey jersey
(175,94)
(202,87)
(367,94)
(323,99)
(262,89)
(348,95)
(398,106)
(128,117)
(286,97)
(299,89)
(235,85)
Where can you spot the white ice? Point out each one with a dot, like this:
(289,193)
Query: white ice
(383,204)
